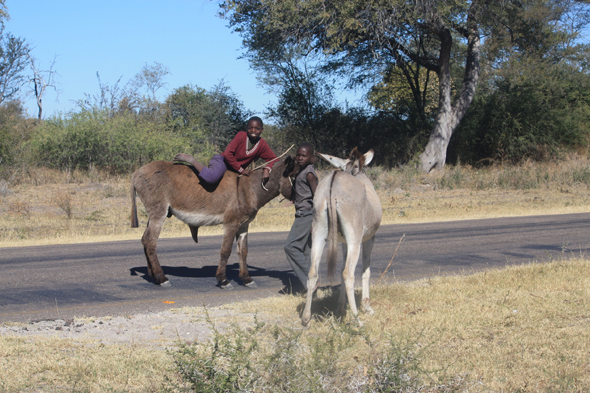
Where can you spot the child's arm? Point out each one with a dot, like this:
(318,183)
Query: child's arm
(267,154)
(230,154)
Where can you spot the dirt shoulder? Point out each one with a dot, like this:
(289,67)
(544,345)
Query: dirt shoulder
(160,330)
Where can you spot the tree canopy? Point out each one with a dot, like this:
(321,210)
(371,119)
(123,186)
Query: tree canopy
(420,42)
(14,58)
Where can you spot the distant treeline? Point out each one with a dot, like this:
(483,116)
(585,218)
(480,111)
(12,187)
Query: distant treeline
(537,116)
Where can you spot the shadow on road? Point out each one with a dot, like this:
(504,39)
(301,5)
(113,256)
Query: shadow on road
(289,281)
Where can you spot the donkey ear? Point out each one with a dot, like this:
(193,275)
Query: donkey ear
(369,157)
(334,161)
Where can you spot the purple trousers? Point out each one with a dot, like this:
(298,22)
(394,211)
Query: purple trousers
(214,172)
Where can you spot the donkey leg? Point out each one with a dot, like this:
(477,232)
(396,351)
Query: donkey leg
(341,309)
(319,236)
(352,258)
(228,239)
(242,247)
(317,247)
(366,299)
(149,241)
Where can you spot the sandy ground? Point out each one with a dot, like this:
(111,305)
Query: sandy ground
(162,329)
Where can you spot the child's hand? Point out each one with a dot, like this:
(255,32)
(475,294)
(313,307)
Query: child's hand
(265,175)
(246,172)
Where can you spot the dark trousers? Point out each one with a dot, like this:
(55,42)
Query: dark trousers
(298,247)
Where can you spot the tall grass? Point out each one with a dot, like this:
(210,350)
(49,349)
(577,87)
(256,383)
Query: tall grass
(273,358)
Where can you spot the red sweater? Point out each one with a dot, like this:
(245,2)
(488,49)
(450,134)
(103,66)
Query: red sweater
(237,156)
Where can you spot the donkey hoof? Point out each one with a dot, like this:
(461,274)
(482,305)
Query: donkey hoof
(251,284)
(225,284)
(166,284)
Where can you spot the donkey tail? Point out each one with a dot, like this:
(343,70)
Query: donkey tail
(332,230)
(134,220)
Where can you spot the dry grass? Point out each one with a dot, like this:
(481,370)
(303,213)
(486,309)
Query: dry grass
(57,365)
(50,207)
(520,329)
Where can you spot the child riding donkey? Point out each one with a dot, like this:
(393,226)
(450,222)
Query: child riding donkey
(246,147)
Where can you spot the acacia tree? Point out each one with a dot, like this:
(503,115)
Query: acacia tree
(3,13)
(363,38)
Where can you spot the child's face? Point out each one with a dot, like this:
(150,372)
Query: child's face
(303,157)
(254,129)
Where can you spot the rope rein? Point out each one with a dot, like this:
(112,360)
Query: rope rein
(270,169)
(274,159)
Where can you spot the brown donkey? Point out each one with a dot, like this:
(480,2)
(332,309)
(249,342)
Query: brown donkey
(347,209)
(168,189)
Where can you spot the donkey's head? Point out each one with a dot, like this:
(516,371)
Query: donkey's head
(290,171)
(354,164)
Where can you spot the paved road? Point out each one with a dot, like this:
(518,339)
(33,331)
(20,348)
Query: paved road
(96,279)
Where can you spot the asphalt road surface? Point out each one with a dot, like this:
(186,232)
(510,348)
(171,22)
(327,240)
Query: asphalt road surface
(98,279)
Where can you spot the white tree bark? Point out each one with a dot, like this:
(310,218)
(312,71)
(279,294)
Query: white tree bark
(450,114)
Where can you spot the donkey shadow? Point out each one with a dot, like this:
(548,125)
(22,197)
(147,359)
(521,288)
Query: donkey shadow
(288,279)
(325,306)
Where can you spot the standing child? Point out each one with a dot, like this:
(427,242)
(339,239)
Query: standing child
(245,148)
(298,247)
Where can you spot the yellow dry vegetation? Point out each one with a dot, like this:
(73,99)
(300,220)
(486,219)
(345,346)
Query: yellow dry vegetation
(519,329)
(50,207)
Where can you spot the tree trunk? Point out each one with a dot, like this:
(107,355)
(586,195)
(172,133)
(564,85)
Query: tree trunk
(448,116)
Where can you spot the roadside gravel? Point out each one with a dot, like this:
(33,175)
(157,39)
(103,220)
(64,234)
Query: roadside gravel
(161,329)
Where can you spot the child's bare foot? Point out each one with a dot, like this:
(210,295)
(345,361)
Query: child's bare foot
(184,157)
(189,160)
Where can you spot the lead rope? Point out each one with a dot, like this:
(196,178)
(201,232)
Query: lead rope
(270,169)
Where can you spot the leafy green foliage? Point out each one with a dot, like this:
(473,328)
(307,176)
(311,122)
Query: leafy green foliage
(94,139)
(402,51)
(14,57)
(532,115)
(15,130)
(208,119)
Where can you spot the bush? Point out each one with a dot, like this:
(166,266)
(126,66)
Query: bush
(15,129)
(90,139)
(535,116)
(277,359)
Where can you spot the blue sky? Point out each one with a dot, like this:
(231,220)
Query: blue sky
(118,37)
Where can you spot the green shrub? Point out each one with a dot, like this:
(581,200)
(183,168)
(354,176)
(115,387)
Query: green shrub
(15,130)
(532,116)
(90,139)
(279,359)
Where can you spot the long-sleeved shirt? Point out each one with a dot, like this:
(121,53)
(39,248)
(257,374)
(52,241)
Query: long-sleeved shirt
(237,156)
